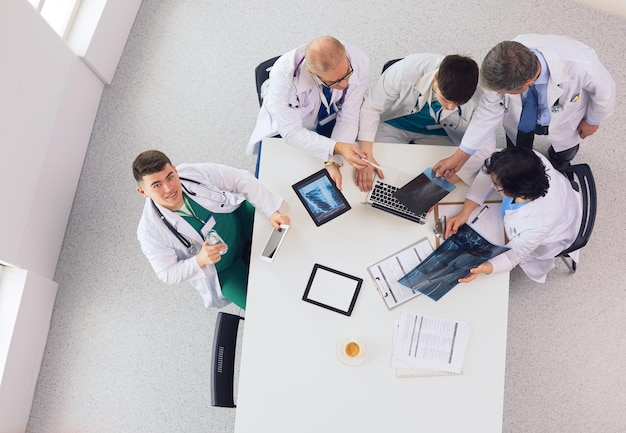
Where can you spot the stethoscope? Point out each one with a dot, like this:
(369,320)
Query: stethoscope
(338,104)
(437,116)
(554,109)
(191,248)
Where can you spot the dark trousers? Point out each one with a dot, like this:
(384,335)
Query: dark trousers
(560,160)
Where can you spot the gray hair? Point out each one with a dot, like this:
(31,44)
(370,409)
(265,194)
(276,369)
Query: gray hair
(507,66)
(323,54)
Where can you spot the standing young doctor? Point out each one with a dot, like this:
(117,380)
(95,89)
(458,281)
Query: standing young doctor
(183,204)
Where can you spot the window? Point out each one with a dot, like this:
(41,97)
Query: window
(59,14)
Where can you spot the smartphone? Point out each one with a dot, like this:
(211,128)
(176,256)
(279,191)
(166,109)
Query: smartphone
(273,243)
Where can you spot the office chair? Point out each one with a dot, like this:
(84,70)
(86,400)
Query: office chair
(584,177)
(262,73)
(223,360)
(389,63)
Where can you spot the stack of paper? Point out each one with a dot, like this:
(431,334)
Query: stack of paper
(428,346)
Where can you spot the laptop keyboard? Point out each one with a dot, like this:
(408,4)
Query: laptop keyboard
(382,196)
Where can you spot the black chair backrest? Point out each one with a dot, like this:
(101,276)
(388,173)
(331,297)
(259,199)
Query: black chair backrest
(223,360)
(262,73)
(389,63)
(590,203)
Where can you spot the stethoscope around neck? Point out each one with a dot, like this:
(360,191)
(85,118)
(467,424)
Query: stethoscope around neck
(191,248)
(338,104)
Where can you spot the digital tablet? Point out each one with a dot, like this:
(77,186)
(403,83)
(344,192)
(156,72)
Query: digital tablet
(273,243)
(321,197)
(332,289)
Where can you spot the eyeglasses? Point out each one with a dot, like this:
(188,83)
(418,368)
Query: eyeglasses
(334,83)
(498,188)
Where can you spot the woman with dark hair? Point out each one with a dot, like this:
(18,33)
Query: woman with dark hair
(542,212)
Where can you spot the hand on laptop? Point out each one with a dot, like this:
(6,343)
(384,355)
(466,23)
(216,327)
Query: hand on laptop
(364,177)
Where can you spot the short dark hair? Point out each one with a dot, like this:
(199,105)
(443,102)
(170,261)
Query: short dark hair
(519,171)
(457,78)
(149,162)
(507,66)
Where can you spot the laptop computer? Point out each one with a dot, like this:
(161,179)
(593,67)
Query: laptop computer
(407,196)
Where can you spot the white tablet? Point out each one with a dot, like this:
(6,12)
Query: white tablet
(273,243)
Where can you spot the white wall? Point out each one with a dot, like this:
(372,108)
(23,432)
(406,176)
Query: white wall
(48,103)
(100,32)
(49,98)
(31,321)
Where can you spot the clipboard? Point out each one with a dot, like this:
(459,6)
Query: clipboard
(490,223)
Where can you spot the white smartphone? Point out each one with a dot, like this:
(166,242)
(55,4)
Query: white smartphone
(273,243)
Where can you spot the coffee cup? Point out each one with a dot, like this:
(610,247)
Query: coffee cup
(352,349)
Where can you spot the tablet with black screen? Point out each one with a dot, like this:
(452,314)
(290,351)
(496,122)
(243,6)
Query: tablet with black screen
(321,197)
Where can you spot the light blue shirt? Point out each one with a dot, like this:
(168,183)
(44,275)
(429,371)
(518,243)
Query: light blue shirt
(508,204)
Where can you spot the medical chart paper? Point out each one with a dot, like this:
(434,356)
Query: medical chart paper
(386,273)
(428,345)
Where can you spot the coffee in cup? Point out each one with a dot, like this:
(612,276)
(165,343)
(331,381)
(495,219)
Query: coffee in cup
(352,349)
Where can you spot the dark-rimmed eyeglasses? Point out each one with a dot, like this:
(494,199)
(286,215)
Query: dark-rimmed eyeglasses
(334,83)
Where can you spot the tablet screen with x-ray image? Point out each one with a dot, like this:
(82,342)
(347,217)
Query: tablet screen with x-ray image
(321,197)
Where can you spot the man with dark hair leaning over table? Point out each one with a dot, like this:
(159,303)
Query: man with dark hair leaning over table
(540,85)
(185,208)
(312,100)
(424,98)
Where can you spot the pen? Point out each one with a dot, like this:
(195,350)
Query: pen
(479,214)
(372,164)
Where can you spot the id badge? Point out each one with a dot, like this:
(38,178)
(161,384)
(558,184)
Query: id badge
(433,127)
(207,227)
(327,119)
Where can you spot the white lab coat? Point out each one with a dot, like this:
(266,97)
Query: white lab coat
(169,258)
(291,105)
(579,86)
(540,229)
(403,89)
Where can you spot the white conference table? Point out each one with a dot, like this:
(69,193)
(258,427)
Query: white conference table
(291,379)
